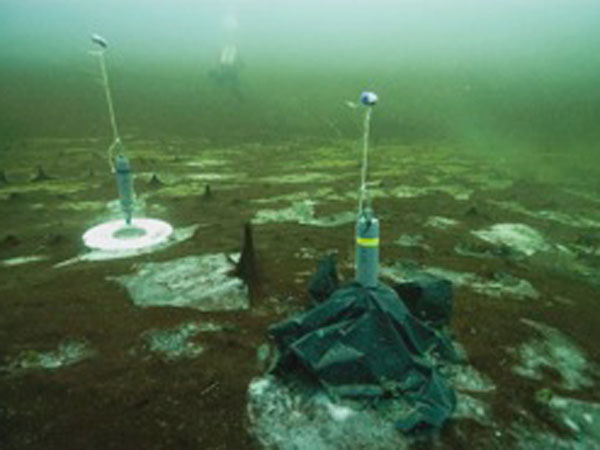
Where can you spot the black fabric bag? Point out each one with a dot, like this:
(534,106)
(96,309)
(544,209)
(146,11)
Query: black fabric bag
(365,343)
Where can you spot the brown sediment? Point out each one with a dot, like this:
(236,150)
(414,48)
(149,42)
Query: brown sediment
(54,239)
(117,399)
(9,241)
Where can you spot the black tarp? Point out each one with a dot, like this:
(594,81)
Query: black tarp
(365,343)
(427,297)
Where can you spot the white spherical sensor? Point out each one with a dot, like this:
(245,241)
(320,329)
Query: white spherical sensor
(368,98)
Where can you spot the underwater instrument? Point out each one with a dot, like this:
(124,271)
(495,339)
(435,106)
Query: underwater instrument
(119,165)
(125,187)
(136,234)
(97,39)
(367,226)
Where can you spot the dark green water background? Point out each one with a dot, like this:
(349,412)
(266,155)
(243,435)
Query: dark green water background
(518,79)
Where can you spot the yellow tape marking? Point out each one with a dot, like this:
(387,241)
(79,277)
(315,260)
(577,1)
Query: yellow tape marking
(368,242)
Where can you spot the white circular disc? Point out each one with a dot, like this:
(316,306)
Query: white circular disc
(117,235)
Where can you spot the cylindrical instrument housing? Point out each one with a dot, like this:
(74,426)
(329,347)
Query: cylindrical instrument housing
(125,186)
(367,249)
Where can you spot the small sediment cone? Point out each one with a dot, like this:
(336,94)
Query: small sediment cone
(55,239)
(246,267)
(155,182)
(472,211)
(9,241)
(41,175)
(207,193)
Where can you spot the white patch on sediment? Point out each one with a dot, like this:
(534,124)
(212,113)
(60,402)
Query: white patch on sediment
(442,223)
(470,407)
(555,351)
(283,418)
(68,352)
(308,177)
(519,237)
(259,386)
(176,343)
(303,212)
(200,282)
(502,284)
(20,260)
(459,193)
(578,221)
(579,416)
(464,377)
(412,240)
(339,412)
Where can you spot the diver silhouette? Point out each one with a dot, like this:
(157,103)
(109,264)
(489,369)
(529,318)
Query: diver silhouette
(227,72)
